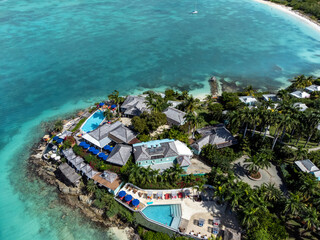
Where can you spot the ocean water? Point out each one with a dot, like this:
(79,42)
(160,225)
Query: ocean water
(57,56)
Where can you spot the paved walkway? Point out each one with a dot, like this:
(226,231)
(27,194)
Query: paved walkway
(197,166)
(269,175)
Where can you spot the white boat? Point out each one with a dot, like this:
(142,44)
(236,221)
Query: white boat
(195,7)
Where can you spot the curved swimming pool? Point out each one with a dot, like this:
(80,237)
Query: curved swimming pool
(93,122)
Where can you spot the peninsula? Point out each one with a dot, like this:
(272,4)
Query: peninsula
(167,165)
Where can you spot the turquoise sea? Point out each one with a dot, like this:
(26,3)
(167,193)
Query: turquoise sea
(61,55)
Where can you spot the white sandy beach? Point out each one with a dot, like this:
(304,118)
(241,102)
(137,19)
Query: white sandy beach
(315,25)
(122,234)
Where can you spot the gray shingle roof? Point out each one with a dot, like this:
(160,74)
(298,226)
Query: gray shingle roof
(184,161)
(69,173)
(175,115)
(104,130)
(123,134)
(134,105)
(69,154)
(120,154)
(214,135)
(86,169)
(162,150)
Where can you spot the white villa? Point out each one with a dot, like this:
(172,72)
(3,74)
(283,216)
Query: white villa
(308,167)
(312,88)
(300,94)
(301,106)
(248,100)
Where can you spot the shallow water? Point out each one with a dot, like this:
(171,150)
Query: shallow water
(56,56)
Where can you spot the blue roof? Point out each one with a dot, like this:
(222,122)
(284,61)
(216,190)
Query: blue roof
(153,143)
(55,138)
(135,202)
(122,194)
(101,104)
(128,198)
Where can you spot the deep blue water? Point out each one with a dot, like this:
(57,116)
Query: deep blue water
(60,55)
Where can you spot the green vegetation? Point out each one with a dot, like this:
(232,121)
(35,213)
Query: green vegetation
(58,125)
(105,201)
(78,124)
(309,7)
(148,122)
(94,161)
(158,235)
(219,157)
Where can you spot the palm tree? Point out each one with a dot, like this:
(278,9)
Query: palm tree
(114,96)
(270,192)
(191,120)
(283,94)
(311,218)
(301,82)
(249,91)
(255,116)
(301,153)
(190,104)
(58,125)
(91,186)
(293,204)
(313,119)
(245,117)
(258,161)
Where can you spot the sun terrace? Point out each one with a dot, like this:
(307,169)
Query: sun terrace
(184,211)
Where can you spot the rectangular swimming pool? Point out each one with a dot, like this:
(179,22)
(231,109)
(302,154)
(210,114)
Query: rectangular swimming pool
(168,215)
(93,122)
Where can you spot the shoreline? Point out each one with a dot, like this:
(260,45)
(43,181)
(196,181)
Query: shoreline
(299,15)
(74,197)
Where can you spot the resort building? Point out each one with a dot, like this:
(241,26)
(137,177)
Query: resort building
(106,133)
(300,94)
(78,163)
(300,106)
(69,175)
(134,106)
(174,116)
(109,180)
(215,135)
(270,97)
(312,88)
(308,167)
(120,154)
(162,154)
(174,103)
(248,100)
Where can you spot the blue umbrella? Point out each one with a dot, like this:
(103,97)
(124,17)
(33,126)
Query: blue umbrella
(106,147)
(113,106)
(87,146)
(101,104)
(91,149)
(105,157)
(135,202)
(110,149)
(82,144)
(122,194)
(59,140)
(95,152)
(55,138)
(128,198)
(101,155)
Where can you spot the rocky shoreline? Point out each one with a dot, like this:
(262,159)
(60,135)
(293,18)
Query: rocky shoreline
(72,196)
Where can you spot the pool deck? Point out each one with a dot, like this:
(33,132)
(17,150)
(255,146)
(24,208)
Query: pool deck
(192,210)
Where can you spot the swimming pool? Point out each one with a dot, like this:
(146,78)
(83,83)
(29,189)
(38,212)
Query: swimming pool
(93,122)
(168,215)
